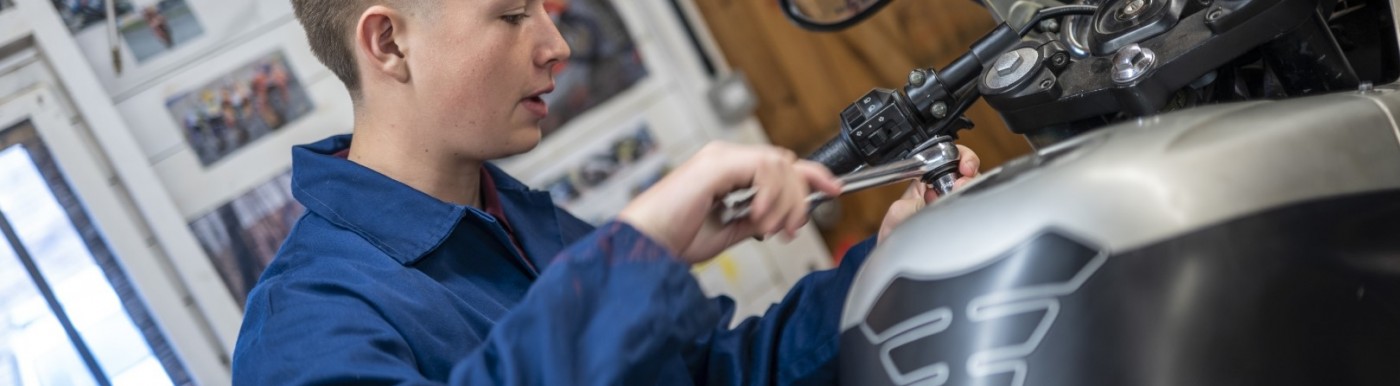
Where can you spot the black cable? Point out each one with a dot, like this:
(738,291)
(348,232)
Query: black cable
(965,97)
(810,25)
(1055,12)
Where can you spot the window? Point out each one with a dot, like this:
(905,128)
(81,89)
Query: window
(68,314)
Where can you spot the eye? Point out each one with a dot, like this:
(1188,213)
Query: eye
(515,19)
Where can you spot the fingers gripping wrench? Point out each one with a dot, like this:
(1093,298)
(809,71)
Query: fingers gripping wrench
(935,164)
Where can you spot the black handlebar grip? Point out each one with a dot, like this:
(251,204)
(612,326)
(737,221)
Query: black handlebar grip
(837,155)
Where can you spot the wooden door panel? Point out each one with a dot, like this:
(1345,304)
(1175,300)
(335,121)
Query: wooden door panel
(803,79)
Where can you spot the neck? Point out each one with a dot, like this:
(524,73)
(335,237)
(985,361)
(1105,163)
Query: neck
(390,147)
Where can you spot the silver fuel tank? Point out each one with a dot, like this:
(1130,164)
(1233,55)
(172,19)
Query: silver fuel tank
(1253,243)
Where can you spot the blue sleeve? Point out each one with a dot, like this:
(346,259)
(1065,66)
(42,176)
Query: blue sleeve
(302,332)
(794,343)
(614,308)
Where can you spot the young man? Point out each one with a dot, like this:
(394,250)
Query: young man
(419,263)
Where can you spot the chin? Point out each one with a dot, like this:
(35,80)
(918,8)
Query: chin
(522,142)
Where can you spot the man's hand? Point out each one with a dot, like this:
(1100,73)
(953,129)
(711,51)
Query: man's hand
(919,195)
(677,211)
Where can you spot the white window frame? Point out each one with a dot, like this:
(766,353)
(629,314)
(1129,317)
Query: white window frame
(12,27)
(183,291)
(120,229)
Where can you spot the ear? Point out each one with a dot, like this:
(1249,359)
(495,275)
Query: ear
(379,39)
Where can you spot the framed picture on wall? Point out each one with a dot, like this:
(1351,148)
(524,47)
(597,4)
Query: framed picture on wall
(602,175)
(155,38)
(242,236)
(603,165)
(147,27)
(239,107)
(160,27)
(219,129)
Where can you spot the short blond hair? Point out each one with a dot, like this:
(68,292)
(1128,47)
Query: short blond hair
(330,26)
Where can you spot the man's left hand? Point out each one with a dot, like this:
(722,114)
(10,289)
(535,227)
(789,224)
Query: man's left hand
(919,195)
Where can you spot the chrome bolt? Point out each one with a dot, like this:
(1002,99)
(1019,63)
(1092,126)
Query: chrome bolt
(1007,63)
(1215,14)
(1011,68)
(917,78)
(1049,25)
(1132,62)
(1133,8)
(939,110)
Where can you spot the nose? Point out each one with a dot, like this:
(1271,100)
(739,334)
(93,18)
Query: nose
(552,48)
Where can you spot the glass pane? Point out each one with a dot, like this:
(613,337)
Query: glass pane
(77,265)
(34,350)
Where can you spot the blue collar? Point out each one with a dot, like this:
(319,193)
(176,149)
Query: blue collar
(401,221)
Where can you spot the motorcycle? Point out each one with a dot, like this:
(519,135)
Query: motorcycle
(1214,199)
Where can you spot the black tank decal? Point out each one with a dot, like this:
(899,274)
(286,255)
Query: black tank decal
(1307,294)
(926,326)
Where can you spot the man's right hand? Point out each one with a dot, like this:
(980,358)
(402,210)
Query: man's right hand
(677,211)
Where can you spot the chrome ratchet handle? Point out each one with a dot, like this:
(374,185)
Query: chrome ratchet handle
(936,164)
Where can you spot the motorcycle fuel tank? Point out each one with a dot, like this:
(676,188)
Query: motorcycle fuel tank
(1254,243)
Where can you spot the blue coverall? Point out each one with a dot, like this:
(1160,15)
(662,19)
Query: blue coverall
(380,284)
